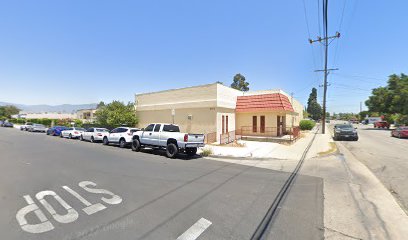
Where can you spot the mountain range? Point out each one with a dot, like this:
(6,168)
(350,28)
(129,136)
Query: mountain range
(63,108)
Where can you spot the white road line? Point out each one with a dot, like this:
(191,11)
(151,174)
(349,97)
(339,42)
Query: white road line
(195,231)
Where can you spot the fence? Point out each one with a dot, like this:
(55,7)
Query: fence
(229,137)
(292,132)
(210,138)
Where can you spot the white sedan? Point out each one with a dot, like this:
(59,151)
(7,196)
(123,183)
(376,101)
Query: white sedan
(94,134)
(74,132)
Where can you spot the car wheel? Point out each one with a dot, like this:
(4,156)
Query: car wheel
(399,135)
(61,135)
(122,143)
(81,138)
(70,136)
(171,150)
(191,151)
(105,141)
(136,145)
(356,139)
(92,139)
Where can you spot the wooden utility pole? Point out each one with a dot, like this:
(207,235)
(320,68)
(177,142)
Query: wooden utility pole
(325,42)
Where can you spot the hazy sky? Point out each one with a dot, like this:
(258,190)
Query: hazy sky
(56,52)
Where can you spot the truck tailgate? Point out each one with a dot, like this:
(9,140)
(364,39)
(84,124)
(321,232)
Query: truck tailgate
(195,138)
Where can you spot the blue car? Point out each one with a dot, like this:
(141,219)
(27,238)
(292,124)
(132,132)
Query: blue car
(56,130)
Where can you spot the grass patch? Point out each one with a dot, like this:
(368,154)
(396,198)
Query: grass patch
(206,152)
(332,149)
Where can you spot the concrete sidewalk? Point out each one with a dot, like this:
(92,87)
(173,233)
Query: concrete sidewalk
(269,150)
(356,203)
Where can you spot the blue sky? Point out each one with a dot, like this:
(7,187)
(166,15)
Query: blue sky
(54,52)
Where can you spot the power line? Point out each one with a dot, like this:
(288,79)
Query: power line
(340,25)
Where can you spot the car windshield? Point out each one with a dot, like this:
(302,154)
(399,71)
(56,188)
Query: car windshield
(101,130)
(344,126)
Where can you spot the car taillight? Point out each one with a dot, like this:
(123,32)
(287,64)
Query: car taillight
(185,137)
(129,133)
(99,134)
(76,132)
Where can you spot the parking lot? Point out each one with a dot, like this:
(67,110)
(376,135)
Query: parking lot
(54,188)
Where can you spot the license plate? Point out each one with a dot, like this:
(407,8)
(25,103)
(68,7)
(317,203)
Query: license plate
(346,135)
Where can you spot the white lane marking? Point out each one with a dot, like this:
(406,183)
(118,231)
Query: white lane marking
(196,230)
(90,208)
(71,215)
(114,200)
(43,226)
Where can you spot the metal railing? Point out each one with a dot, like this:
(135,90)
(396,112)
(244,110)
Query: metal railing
(292,132)
(229,137)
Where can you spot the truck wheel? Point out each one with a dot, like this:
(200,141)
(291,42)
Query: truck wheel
(122,143)
(171,150)
(105,141)
(191,151)
(136,145)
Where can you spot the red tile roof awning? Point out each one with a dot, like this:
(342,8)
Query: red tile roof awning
(264,102)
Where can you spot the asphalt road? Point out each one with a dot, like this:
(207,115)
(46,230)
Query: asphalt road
(53,188)
(386,157)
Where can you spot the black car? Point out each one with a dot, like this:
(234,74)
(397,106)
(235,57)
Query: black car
(8,124)
(345,131)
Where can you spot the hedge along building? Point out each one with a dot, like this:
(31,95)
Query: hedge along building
(214,109)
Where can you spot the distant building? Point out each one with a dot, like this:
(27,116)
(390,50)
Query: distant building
(215,109)
(86,115)
(45,115)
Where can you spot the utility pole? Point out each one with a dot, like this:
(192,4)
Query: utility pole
(326,43)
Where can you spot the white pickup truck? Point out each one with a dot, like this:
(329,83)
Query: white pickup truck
(168,136)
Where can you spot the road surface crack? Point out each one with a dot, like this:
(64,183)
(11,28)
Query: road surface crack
(341,233)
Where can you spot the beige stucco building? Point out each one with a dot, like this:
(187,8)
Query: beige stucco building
(212,109)
(86,115)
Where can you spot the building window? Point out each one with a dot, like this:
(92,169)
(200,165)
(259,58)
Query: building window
(226,123)
(254,124)
(223,124)
(262,130)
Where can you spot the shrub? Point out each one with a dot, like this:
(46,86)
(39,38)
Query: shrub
(206,152)
(306,124)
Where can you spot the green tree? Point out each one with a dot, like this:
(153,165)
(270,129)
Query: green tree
(313,107)
(240,83)
(391,100)
(116,114)
(100,104)
(7,111)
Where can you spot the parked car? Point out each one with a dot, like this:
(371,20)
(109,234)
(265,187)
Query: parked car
(121,135)
(8,124)
(94,134)
(400,132)
(56,130)
(36,128)
(345,131)
(169,137)
(73,132)
(25,125)
(382,124)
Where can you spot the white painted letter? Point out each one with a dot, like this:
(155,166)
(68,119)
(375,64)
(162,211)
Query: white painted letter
(114,200)
(90,208)
(44,226)
(71,216)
